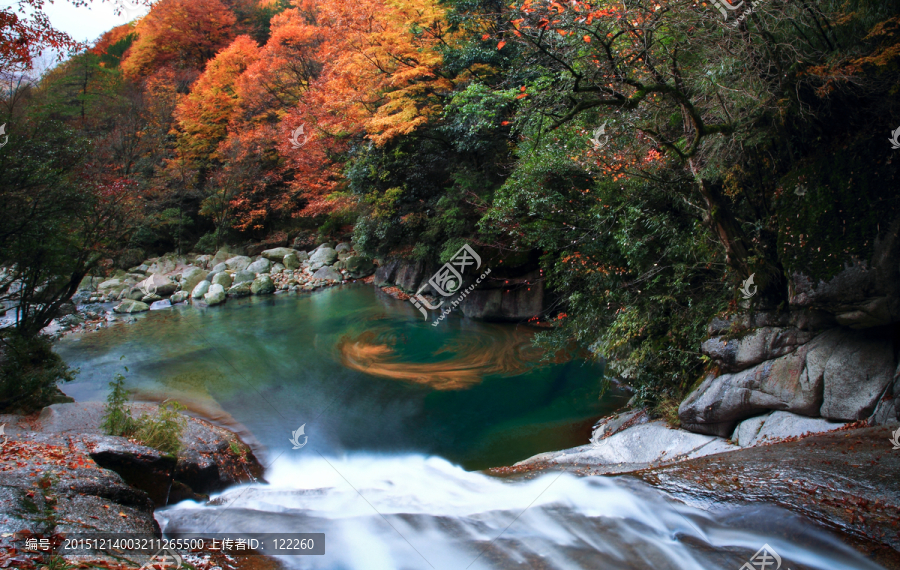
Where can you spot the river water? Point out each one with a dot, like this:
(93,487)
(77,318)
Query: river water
(397,418)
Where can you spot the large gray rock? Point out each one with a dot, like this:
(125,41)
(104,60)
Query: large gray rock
(276,254)
(342,247)
(219,268)
(110,285)
(243,276)
(359,266)
(291,261)
(129,306)
(328,273)
(762,344)
(223,279)
(857,375)
(201,289)
(191,277)
(262,285)
(652,442)
(215,295)
(260,266)
(144,468)
(322,257)
(778,426)
(241,289)
(158,284)
(238,263)
(182,296)
(792,382)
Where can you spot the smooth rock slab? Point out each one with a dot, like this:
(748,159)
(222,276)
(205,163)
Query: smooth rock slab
(238,263)
(778,426)
(653,442)
(260,266)
(277,254)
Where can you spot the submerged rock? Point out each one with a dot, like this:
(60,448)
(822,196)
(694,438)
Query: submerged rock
(129,306)
(164,304)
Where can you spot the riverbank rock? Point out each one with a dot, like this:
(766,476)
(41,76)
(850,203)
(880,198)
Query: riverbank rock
(328,273)
(359,267)
(321,257)
(291,261)
(191,277)
(130,306)
(158,305)
(222,279)
(277,254)
(241,289)
(159,285)
(640,445)
(262,285)
(840,374)
(243,276)
(260,266)
(238,263)
(215,295)
(779,426)
(200,290)
(180,297)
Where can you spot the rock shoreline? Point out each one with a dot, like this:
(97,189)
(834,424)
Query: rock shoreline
(61,475)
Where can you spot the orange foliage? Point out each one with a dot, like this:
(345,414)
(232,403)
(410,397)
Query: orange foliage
(183,33)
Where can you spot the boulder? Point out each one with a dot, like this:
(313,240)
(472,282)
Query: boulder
(109,285)
(219,268)
(342,247)
(291,261)
(322,257)
(144,468)
(857,375)
(164,304)
(276,268)
(90,283)
(221,256)
(129,306)
(260,266)
(359,266)
(238,263)
(201,289)
(191,277)
(215,295)
(135,294)
(762,344)
(276,254)
(223,279)
(328,273)
(158,285)
(203,261)
(150,299)
(262,285)
(301,255)
(240,290)
(182,296)
(778,426)
(243,276)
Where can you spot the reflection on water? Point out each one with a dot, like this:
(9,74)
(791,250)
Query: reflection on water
(457,365)
(411,512)
(360,369)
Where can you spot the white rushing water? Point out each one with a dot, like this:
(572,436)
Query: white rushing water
(413,512)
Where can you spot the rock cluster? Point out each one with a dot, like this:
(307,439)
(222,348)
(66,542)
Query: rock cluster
(162,282)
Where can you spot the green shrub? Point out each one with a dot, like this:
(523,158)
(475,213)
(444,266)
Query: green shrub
(161,431)
(29,373)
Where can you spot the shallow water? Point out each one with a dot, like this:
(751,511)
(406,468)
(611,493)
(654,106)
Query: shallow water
(398,414)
